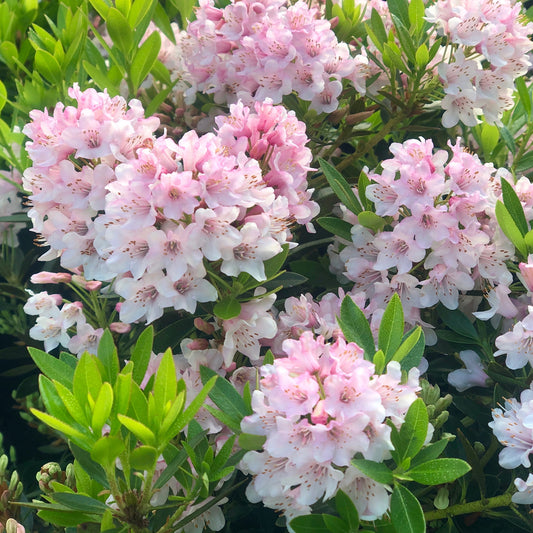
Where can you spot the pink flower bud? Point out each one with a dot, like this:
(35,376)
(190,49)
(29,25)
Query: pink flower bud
(319,415)
(119,327)
(93,285)
(202,325)
(118,306)
(198,344)
(51,277)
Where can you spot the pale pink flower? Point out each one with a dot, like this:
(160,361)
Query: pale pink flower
(473,375)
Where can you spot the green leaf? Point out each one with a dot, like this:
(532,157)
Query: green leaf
(417,11)
(514,206)
(400,9)
(524,94)
(490,135)
(140,356)
(347,510)
(406,41)
(336,226)
(119,30)
(430,452)
(510,229)
(106,450)
(355,327)
(3,95)
(247,441)
(47,65)
(369,219)
(391,327)
(422,56)
(414,430)
(140,9)
(79,502)
(52,367)
(102,408)
(92,468)
(227,308)
(524,163)
(144,59)
(406,512)
(66,518)
(407,345)
(379,361)
(457,321)
(274,264)
(439,471)
(87,378)
(334,524)
(313,523)
(378,28)
(107,353)
(142,432)
(340,187)
(188,414)
(225,396)
(143,458)
(165,384)
(377,471)
(62,427)
(71,403)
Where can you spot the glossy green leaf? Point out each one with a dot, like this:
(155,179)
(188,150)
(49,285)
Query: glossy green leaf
(407,345)
(102,408)
(414,430)
(247,441)
(422,56)
(356,328)
(510,229)
(165,384)
(47,65)
(107,353)
(334,524)
(52,367)
(524,94)
(490,135)
(347,510)
(144,59)
(140,354)
(227,308)
(142,432)
(377,471)
(391,327)
(144,458)
(406,512)
(416,11)
(80,502)
(439,471)
(313,523)
(430,452)
(340,187)
(336,226)
(457,321)
(369,219)
(106,449)
(87,378)
(74,408)
(62,427)
(119,30)
(514,206)
(92,468)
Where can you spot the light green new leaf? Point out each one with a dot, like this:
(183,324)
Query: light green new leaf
(106,450)
(142,432)
(119,30)
(377,471)
(514,206)
(107,353)
(141,354)
(102,408)
(165,384)
(77,436)
(510,229)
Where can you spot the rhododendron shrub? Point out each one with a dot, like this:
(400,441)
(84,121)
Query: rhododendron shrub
(266,265)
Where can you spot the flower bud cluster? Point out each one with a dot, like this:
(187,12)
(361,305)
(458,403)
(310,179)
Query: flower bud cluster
(317,408)
(145,212)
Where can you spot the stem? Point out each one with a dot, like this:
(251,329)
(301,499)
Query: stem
(504,500)
(387,128)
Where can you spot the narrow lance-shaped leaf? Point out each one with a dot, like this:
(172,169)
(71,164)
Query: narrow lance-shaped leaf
(406,513)
(355,327)
(340,187)
(391,327)
(514,206)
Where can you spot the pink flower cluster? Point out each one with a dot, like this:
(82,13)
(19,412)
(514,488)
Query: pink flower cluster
(442,238)
(317,408)
(253,50)
(145,212)
(493,32)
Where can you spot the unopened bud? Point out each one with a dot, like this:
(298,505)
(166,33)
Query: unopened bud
(443,403)
(12,526)
(120,327)
(14,481)
(479,448)
(51,277)
(441,419)
(333,22)
(3,465)
(202,325)
(70,479)
(442,500)
(357,118)
(48,473)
